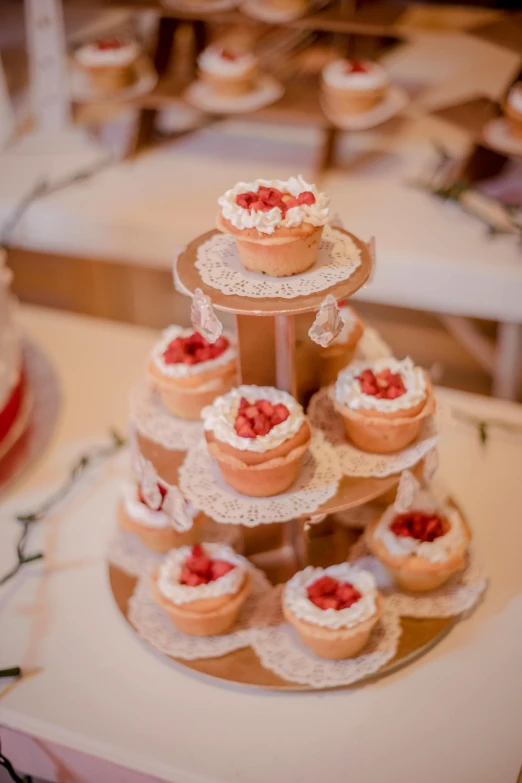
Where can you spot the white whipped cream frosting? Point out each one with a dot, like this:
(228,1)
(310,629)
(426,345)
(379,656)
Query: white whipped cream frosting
(296,597)
(348,389)
(335,74)
(91,57)
(181,370)
(141,513)
(436,551)
(350,321)
(266,222)
(514,98)
(220,418)
(211,60)
(170,571)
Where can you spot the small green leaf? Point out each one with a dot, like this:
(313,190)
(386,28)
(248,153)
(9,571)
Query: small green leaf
(483,432)
(14,671)
(32,558)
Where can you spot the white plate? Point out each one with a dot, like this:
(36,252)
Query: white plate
(200,6)
(82,91)
(498,135)
(394,102)
(201,95)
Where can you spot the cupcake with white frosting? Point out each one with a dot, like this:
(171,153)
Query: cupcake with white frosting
(109,63)
(149,521)
(513,110)
(189,372)
(423,547)
(202,588)
(354,86)
(341,350)
(334,609)
(383,403)
(258,436)
(277,224)
(228,71)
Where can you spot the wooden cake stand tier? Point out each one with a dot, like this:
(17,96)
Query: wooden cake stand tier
(330,543)
(190,278)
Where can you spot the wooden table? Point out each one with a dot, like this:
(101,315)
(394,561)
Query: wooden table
(99,700)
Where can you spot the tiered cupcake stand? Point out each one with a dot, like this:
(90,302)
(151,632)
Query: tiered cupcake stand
(274,349)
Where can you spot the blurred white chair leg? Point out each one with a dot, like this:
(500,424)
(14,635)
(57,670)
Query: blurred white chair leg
(507,373)
(7,117)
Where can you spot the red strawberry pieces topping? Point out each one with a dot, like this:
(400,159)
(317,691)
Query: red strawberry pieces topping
(104,44)
(163,493)
(328,593)
(258,418)
(423,527)
(385,385)
(267,198)
(228,54)
(200,569)
(194,349)
(356,66)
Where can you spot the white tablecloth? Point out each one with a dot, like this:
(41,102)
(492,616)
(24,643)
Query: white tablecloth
(99,694)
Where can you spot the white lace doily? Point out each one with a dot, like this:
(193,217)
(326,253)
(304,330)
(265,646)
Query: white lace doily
(153,421)
(394,102)
(279,648)
(353,461)
(153,624)
(460,594)
(131,556)
(202,484)
(267,90)
(219,266)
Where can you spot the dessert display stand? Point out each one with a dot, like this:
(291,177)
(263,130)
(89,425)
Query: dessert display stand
(275,350)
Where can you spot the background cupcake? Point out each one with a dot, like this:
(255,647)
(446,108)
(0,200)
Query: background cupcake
(229,71)
(109,63)
(354,86)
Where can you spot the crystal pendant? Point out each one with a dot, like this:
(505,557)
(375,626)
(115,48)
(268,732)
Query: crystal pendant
(406,492)
(176,508)
(204,319)
(328,323)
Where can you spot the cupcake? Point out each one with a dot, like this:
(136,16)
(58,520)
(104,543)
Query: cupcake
(513,110)
(383,403)
(202,588)
(228,72)
(277,224)
(341,351)
(109,63)
(422,547)
(152,525)
(189,372)
(258,436)
(333,609)
(354,86)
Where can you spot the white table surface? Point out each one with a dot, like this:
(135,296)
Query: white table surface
(455,715)
(429,256)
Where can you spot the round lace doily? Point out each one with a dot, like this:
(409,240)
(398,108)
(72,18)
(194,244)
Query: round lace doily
(153,421)
(202,484)
(279,648)
(266,91)
(219,266)
(153,624)
(131,556)
(460,594)
(352,461)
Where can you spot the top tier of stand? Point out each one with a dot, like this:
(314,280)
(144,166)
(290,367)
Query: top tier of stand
(190,278)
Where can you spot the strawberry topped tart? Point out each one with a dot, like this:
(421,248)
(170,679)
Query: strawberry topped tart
(422,547)
(228,71)
(383,403)
(109,63)
(332,609)
(14,396)
(277,224)
(354,86)
(258,436)
(189,372)
(341,350)
(149,522)
(513,110)
(202,588)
